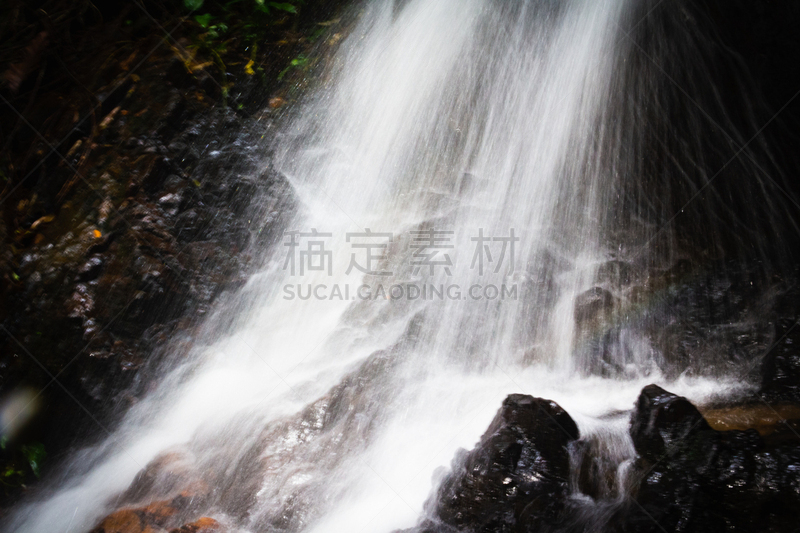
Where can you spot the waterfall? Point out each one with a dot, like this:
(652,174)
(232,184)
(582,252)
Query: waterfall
(474,189)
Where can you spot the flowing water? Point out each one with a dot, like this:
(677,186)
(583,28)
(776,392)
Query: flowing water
(493,152)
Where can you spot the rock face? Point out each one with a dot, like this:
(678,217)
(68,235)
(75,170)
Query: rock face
(693,478)
(529,473)
(515,479)
(596,334)
(593,304)
(780,368)
(157,234)
(273,476)
(149,198)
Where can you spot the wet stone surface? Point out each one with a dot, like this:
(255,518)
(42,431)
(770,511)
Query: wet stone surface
(515,479)
(693,478)
(684,475)
(175,195)
(721,318)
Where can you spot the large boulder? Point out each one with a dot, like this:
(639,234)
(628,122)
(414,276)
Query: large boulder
(692,478)
(663,420)
(515,479)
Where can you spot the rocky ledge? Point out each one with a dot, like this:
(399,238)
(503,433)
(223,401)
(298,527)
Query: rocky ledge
(135,187)
(532,471)
(525,475)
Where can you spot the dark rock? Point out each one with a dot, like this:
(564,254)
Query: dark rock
(102,272)
(593,304)
(617,273)
(91,269)
(693,478)
(598,349)
(170,203)
(780,368)
(662,420)
(714,319)
(596,473)
(515,479)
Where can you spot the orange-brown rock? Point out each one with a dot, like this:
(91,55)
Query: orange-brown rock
(173,472)
(126,521)
(156,517)
(203,525)
(764,418)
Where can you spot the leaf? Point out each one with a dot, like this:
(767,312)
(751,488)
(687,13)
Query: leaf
(284,6)
(299,61)
(194,67)
(193,5)
(35,454)
(248,68)
(204,20)
(43,220)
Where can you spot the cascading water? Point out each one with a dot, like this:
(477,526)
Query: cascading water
(495,142)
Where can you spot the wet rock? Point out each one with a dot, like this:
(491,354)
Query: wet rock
(266,475)
(93,266)
(203,525)
(593,305)
(166,476)
(711,318)
(125,521)
(616,273)
(598,347)
(515,479)
(153,518)
(693,478)
(663,420)
(765,418)
(596,471)
(168,494)
(780,367)
(91,269)
(145,251)
(289,460)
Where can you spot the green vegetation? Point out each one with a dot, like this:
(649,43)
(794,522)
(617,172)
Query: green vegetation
(228,35)
(23,462)
(299,61)
(251,19)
